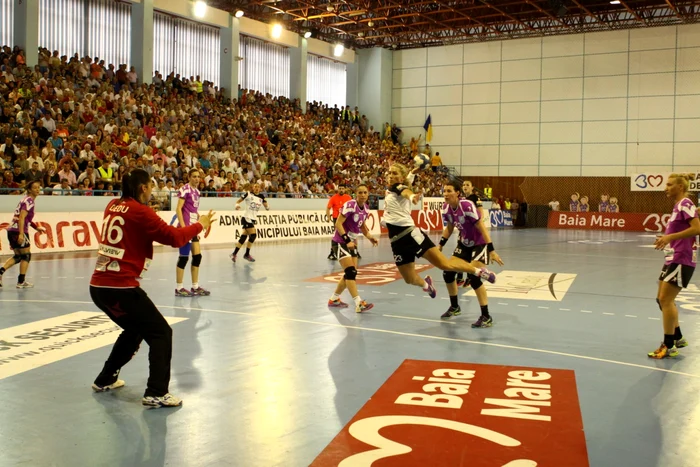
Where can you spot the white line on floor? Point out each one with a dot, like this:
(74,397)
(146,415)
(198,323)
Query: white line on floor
(504,304)
(586,311)
(543,307)
(246,283)
(228,282)
(309,286)
(524,306)
(564,309)
(390,293)
(444,298)
(397,333)
(376,291)
(410,295)
(163,280)
(655,319)
(420,319)
(630,316)
(609,314)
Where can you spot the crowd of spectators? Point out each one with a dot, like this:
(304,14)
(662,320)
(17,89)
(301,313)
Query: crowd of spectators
(78,125)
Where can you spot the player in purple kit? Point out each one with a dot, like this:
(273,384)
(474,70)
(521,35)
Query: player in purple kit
(18,235)
(350,223)
(187,207)
(474,244)
(680,247)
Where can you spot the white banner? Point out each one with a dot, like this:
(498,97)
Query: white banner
(80,231)
(656,181)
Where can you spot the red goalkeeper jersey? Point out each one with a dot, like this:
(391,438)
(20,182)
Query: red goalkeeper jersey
(129,229)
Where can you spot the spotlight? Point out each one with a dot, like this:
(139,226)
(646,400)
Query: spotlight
(239,13)
(307,34)
(200,9)
(338,50)
(277,31)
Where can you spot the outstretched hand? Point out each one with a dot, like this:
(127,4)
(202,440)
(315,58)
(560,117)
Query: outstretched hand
(207,219)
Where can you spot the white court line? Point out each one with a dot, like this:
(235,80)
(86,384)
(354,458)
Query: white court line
(408,295)
(564,309)
(309,286)
(609,314)
(444,298)
(543,307)
(228,282)
(524,306)
(374,291)
(399,333)
(505,304)
(656,319)
(162,279)
(390,293)
(420,319)
(586,311)
(630,316)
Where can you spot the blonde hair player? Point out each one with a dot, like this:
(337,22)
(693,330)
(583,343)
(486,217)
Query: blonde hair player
(679,244)
(350,223)
(253,201)
(474,243)
(409,242)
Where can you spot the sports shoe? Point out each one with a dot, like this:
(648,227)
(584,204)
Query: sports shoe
(451,311)
(25,285)
(682,342)
(363,306)
(483,322)
(337,303)
(233,257)
(117,384)
(167,400)
(431,288)
(664,352)
(0,282)
(487,275)
(249,258)
(183,292)
(199,292)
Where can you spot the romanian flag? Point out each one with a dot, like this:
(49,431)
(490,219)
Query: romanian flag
(428,129)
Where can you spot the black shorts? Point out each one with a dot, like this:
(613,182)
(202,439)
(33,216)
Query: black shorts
(472,253)
(345,252)
(195,239)
(677,274)
(246,224)
(13,237)
(411,246)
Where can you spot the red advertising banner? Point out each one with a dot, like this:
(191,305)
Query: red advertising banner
(629,221)
(447,414)
(427,220)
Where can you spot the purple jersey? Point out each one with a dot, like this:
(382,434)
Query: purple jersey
(613,208)
(573,206)
(603,206)
(191,206)
(681,251)
(27,204)
(355,216)
(465,217)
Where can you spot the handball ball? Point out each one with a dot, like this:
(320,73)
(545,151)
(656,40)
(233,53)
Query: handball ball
(421,161)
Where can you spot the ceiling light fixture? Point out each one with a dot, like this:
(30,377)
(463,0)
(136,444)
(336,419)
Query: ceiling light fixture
(277,31)
(200,9)
(338,50)
(239,13)
(307,34)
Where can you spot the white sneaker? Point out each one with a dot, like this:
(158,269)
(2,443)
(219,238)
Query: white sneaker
(117,384)
(167,400)
(25,285)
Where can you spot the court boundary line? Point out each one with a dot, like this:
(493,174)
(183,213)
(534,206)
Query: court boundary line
(399,333)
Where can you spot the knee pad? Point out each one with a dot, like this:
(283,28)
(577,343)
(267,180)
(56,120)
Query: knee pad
(182,262)
(241,241)
(26,257)
(449,276)
(196,260)
(475,282)
(350,273)
(252,238)
(17,258)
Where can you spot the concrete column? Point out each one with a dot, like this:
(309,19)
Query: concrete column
(375,79)
(230,57)
(142,40)
(26,29)
(351,78)
(297,76)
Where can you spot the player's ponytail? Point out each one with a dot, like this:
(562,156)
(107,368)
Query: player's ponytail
(132,183)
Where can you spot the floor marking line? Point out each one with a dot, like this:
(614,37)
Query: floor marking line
(609,314)
(399,333)
(630,316)
(420,319)
(543,307)
(504,304)
(564,309)
(586,311)
(524,306)
(376,291)
(410,295)
(656,319)
(390,293)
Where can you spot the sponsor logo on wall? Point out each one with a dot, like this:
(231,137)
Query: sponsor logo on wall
(437,413)
(371,274)
(628,222)
(656,181)
(32,345)
(527,285)
(500,218)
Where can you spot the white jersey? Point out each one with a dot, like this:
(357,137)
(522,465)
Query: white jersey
(252,203)
(397,209)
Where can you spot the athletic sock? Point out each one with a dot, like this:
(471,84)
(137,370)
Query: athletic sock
(2,271)
(678,335)
(20,279)
(235,252)
(485,311)
(335,297)
(195,285)
(454,301)
(669,341)
(358,300)
(180,286)
(247,251)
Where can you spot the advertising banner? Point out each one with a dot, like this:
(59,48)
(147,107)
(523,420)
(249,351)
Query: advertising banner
(656,181)
(448,413)
(500,218)
(629,221)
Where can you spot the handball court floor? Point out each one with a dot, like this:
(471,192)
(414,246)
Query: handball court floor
(270,375)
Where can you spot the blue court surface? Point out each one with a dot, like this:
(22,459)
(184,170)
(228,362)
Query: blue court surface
(270,375)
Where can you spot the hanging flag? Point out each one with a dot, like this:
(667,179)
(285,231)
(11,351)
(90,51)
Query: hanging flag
(428,129)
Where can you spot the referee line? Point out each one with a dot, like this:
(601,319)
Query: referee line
(405,334)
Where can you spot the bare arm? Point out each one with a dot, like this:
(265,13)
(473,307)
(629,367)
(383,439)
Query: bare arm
(178,210)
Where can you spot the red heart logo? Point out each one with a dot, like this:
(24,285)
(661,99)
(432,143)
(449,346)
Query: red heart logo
(370,222)
(659,178)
